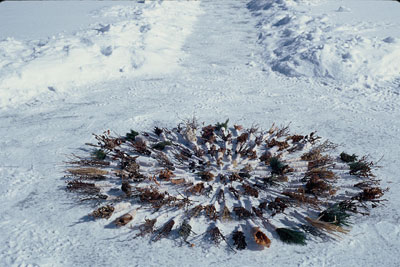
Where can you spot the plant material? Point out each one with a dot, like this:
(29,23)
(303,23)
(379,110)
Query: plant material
(242,138)
(208,134)
(129,165)
(164,231)
(369,194)
(150,195)
(260,238)
(86,162)
(221,196)
(361,168)
(217,236)
(266,157)
(211,212)
(206,176)
(273,180)
(291,236)
(185,230)
(178,181)
(105,141)
(125,219)
(242,213)
(295,138)
(318,186)
(234,192)
(226,214)
(195,212)
(281,145)
(336,214)
(235,177)
(88,172)
(238,127)
(131,135)
(197,189)
(277,166)
(163,161)
(99,154)
(158,131)
(325,226)
(147,227)
(277,206)
(300,197)
(239,240)
(161,145)
(348,158)
(320,173)
(258,212)
(224,125)
(283,131)
(140,147)
(249,190)
(208,190)
(82,187)
(319,161)
(126,188)
(316,152)
(205,173)
(309,229)
(103,212)
(312,138)
(165,175)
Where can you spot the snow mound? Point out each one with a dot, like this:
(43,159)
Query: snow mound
(300,42)
(147,40)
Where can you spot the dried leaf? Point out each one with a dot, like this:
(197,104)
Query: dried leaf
(260,238)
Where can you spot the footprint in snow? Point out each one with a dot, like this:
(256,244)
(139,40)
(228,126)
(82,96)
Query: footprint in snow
(107,51)
(389,40)
(103,28)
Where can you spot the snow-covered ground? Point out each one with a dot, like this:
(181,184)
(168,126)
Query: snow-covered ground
(330,66)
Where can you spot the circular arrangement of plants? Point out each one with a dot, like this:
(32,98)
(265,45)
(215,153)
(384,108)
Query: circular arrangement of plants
(198,183)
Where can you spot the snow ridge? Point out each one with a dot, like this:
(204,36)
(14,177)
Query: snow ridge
(147,40)
(299,42)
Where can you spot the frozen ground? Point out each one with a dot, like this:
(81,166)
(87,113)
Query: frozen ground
(251,62)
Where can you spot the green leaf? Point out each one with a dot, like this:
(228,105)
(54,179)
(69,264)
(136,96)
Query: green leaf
(291,236)
(348,158)
(99,154)
(131,135)
(161,145)
(336,215)
(219,125)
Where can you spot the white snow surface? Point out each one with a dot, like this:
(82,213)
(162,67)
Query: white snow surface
(330,66)
(146,38)
(327,41)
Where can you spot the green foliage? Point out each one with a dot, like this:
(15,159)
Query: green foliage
(360,168)
(131,135)
(291,236)
(276,165)
(219,125)
(348,158)
(336,215)
(161,145)
(99,154)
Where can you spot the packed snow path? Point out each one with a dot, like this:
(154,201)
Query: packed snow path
(220,75)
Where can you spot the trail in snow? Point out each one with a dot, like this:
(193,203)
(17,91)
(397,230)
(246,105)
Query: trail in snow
(222,75)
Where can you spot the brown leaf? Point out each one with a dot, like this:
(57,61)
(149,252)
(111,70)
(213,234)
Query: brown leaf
(261,238)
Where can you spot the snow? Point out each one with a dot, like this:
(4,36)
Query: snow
(212,59)
(100,52)
(302,40)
